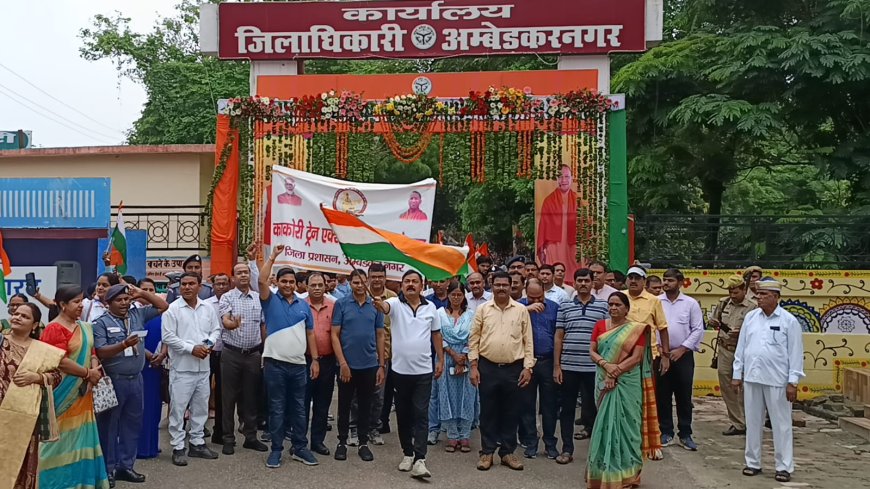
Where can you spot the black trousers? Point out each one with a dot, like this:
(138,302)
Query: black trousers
(319,396)
(574,383)
(500,406)
(389,395)
(214,361)
(675,385)
(541,387)
(412,412)
(362,384)
(241,382)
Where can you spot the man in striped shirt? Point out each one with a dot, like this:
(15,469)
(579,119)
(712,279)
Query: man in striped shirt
(573,369)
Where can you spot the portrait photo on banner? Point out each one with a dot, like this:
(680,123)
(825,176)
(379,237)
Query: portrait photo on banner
(294,219)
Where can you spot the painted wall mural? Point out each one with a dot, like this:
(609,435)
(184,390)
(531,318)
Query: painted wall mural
(832,305)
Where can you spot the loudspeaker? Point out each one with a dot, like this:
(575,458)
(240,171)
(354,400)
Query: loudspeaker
(68,273)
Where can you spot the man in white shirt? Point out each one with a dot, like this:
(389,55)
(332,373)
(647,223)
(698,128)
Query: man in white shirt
(190,330)
(478,294)
(768,364)
(415,330)
(546,274)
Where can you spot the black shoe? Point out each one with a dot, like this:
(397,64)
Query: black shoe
(319,448)
(111,481)
(255,445)
(228,449)
(129,475)
(732,431)
(384,429)
(178,458)
(201,451)
(328,427)
(217,440)
(206,432)
(341,452)
(365,454)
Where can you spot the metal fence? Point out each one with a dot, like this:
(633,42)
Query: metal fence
(733,241)
(169,227)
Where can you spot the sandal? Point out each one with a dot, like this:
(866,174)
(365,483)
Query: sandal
(564,459)
(464,446)
(582,435)
(450,446)
(782,476)
(750,472)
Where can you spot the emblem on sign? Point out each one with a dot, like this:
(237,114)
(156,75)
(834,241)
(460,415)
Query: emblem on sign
(423,37)
(422,85)
(350,200)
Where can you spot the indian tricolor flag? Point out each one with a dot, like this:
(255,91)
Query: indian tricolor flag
(118,243)
(359,241)
(5,270)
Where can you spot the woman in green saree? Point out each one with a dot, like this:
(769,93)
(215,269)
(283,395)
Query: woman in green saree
(626,427)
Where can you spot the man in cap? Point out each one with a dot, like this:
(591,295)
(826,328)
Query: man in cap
(768,364)
(193,264)
(752,275)
(728,317)
(517,264)
(118,339)
(647,309)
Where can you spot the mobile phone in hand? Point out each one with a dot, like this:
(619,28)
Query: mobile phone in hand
(30,284)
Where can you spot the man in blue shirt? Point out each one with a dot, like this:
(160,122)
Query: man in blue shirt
(118,339)
(543,313)
(289,334)
(573,368)
(358,340)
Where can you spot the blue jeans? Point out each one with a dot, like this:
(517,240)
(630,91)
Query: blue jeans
(285,387)
(119,427)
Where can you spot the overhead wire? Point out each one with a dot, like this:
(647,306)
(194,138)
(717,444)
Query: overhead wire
(49,117)
(108,136)
(86,116)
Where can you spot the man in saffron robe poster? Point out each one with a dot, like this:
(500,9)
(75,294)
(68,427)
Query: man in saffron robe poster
(556,239)
(414,213)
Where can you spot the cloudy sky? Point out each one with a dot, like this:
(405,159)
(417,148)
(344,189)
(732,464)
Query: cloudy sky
(41,60)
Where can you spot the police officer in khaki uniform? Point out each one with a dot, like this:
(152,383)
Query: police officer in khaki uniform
(752,275)
(728,318)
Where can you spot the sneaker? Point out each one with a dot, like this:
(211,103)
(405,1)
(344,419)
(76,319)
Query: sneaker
(485,462)
(178,458)
(255,445)
(376,439)
(667,440)
(228,449)
(365,453)
(530,452)
(406,464)
(274,460)
(341,452)
(305,456)
(266,437)
(552,453)
(201,451)
(433,438)
(688,443)
(353,440)
(319,448)
(419,470)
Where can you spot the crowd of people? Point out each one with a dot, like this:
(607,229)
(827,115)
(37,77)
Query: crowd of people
(509,351)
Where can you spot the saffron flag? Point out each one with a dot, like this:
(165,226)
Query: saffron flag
(359,241)
(118,244)
(5,270)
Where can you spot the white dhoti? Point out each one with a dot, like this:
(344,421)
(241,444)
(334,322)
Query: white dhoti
(756,399)
(188,390)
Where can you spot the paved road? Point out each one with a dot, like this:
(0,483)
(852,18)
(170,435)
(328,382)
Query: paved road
(716,465)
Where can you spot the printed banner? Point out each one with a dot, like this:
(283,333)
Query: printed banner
(428,29)
(297,222)
(46,282)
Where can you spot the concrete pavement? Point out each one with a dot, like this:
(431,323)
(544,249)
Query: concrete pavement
(826,459)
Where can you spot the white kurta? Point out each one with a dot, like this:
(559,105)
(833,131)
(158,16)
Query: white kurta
(769,356)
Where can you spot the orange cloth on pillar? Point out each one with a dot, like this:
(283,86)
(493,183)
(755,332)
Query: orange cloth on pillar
(225,201)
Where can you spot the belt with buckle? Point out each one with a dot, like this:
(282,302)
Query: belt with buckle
(244,351)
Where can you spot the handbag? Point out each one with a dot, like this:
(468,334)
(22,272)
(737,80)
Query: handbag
(104,395)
